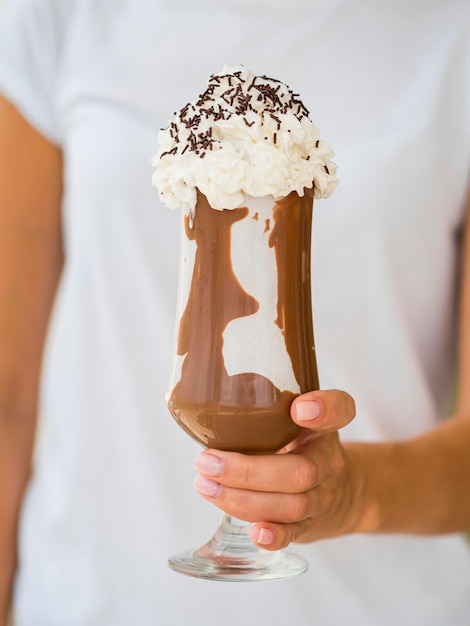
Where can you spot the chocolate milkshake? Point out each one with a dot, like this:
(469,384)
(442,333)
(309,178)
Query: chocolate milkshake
(243,163)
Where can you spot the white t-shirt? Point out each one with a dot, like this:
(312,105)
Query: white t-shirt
(387,83)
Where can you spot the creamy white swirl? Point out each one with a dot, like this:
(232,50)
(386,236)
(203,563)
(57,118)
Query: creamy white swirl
(245,135)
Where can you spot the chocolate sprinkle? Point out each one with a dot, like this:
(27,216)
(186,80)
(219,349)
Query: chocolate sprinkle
(239,99)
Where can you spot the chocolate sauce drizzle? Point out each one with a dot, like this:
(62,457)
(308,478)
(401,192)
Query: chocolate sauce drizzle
(243,412)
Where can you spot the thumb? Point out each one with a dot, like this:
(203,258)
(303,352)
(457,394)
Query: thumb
(323,411)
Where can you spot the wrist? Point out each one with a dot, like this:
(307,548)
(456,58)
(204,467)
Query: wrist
(370,466)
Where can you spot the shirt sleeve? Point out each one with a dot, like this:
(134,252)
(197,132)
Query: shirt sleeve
(31,32)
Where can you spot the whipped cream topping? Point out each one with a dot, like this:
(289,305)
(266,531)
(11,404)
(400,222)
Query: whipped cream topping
(245,135)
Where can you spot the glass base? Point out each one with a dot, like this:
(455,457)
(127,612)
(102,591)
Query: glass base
(231,556)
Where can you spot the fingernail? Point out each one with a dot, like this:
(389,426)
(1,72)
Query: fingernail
(207,486)
(208,464)
(307,410)
(265,537)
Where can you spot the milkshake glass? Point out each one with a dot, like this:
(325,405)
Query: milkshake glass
(244,333)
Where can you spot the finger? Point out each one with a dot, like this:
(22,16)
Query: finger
(278,536)
(276,473)
(266,473)
(324,410)
(252,506)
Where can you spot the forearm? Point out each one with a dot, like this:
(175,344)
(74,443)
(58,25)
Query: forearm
(19,381)
(16,441)
(418,486)
(30,267)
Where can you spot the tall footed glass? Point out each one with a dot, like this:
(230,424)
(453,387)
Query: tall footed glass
(244,351)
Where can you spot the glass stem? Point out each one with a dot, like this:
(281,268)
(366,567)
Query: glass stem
(231,540)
